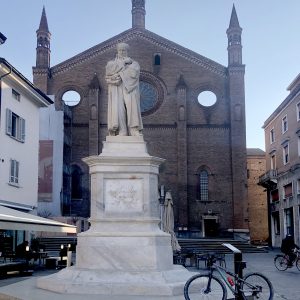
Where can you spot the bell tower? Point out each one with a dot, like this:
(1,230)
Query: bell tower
(138,13)
(236,73)
(42,67)
(234,35)
(43,43)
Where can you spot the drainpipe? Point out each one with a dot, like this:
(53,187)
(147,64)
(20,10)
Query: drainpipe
(270,240)
(4,75)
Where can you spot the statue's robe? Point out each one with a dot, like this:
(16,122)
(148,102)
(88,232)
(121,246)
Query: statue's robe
(124,110)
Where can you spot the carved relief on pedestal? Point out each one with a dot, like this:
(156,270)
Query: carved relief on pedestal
(123,195)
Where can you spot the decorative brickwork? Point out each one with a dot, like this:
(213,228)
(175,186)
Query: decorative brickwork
(188,135)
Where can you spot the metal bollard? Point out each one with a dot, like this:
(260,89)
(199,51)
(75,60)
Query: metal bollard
(239,265)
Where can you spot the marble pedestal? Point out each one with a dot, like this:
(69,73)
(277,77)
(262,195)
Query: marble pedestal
(124,252)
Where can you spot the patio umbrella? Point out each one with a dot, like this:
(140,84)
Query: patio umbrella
(168,221)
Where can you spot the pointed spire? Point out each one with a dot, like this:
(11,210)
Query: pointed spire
(234,21)
(43,22)
(43,37)
(234,35)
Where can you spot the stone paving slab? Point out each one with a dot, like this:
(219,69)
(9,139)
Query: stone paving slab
(286,284)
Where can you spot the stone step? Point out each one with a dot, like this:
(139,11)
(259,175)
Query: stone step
(53,244)
(215,245)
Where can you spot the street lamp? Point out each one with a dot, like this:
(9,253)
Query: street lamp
(161,202)
(27,254)
(2,38)
(61,252)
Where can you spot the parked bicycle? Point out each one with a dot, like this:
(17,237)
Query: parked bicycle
(210,286)
(281,261)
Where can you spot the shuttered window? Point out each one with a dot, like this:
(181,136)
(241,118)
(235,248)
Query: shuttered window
(285,154)
(274,195)
(15,126)
(288,190)
(14,172)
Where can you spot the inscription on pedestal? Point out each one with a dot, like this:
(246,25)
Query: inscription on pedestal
(123,195)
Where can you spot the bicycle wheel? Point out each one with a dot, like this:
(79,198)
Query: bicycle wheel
(258,286)
(196,288)
(297,263)
(281,263)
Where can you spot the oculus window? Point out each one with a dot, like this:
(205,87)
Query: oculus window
(71,98)
(149,96)
(207,98)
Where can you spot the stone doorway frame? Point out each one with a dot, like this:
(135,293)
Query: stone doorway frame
(208,217)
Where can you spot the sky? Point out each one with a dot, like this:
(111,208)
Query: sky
(270,38)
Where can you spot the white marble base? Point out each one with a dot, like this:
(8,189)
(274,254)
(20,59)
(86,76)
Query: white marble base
(124,252)
(74,280)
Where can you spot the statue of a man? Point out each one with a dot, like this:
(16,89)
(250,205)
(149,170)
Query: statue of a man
(122,77)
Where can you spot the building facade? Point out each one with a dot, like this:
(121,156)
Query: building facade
(204,144)
(20,102)
(257,198)
(282,177)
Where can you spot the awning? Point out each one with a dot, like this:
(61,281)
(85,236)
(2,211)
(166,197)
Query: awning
(12,219)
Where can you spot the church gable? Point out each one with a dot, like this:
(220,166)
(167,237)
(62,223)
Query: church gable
(145,35)
(192,135)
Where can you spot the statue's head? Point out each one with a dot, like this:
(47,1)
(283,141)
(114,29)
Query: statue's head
(122,49)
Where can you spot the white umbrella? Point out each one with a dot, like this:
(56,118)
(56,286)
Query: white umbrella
(168,221)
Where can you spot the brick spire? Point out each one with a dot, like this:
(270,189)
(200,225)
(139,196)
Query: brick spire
(234,35)
(43,23)
(234,22)
(43,37)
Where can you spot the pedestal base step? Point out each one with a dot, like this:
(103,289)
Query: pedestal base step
(73,280)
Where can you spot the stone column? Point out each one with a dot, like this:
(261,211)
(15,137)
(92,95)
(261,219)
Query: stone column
(182,153)
(93,96)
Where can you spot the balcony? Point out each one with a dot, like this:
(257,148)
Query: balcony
(269,179)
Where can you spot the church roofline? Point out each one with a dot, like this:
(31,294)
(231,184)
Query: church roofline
(149,36)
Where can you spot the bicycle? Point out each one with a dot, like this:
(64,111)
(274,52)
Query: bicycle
(209,286)
(281,261)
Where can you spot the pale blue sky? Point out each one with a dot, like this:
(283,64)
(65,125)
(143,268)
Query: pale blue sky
(270,38)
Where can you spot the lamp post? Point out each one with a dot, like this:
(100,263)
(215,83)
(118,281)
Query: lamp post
(61,252)
(27,254)
(161,202)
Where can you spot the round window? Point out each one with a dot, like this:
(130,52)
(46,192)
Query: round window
(71,98)
(148,96)
(207,98)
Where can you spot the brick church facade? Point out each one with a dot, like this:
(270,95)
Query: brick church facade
(204,145)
